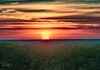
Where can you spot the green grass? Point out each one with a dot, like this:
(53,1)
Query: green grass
(49,56)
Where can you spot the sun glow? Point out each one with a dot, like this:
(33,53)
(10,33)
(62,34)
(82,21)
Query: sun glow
(46,34)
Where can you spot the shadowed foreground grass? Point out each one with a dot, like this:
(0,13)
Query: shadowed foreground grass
(49,56)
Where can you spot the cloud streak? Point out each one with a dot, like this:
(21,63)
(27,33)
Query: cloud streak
(68,20)
(56,12)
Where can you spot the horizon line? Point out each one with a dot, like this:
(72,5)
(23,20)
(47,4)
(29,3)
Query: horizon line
(52,40)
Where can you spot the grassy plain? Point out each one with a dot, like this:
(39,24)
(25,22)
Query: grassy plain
(50,55)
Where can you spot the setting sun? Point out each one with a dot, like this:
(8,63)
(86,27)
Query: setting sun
(45,34)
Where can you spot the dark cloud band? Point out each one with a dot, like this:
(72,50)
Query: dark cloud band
(25,1)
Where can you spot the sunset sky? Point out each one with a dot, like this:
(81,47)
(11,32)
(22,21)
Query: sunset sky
(43,19)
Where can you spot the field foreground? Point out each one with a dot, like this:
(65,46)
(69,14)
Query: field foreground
(50,55)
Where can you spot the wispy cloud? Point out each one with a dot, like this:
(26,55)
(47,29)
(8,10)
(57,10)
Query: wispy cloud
(52,8)
(56,12)
(63,20)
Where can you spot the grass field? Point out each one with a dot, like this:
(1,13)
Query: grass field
(50,55)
